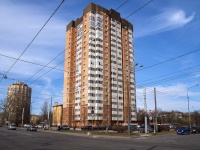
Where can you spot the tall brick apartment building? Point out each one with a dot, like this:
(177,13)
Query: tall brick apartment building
(99,81)
(18,103)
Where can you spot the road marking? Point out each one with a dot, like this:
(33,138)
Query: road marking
(142,138)
(18,132)
(3,133)
(166,141)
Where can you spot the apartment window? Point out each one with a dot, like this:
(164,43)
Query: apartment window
(106,66)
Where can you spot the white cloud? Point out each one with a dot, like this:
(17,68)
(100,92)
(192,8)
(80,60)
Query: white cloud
(20,24)
(169,19)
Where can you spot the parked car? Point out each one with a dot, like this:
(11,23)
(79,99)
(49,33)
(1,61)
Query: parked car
(64,127)
(141,129)
(86,128)
(12,127)
(120,128)
(195,129)
(158,128)
(46,127)
(165,127)
(134,127)
(40,126)
(31,128)
(183,130)
(27,125)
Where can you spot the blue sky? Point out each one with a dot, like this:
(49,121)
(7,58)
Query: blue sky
(163,30)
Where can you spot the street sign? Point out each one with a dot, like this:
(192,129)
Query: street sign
(92,111)
(150,113)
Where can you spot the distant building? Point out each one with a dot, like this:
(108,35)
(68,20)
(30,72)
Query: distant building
(18,103)
(99,80)
(35,119)
(57,114)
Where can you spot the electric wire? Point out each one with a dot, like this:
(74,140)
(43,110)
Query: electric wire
(159,81)
(197,50)
(33,63)
(63,52)
(74,42)
(33,39)
(164,75)
(88,43)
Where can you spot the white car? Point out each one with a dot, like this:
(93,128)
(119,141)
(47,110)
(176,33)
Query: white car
(27,125)
(40,126)
(12,127)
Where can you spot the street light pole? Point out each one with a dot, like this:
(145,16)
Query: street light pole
(189,103)
(106,111)
(22,117)
(128,108)
(145,110)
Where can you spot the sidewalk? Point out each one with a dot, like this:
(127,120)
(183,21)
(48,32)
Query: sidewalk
(103,134)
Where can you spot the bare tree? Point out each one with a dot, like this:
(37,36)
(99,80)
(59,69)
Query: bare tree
(44,111)
(3,111)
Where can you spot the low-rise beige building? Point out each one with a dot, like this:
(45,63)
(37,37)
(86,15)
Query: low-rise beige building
(34,119)
(57,114)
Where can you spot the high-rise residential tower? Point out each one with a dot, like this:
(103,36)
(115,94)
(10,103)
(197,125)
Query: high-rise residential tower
(18,103)
(99,81)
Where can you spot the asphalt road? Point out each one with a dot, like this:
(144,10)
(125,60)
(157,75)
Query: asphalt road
(48,140)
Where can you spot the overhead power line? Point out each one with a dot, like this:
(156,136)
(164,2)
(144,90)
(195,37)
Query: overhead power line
(169,60)
(33,63)
(139,8)
(86,33)
(59,54)
(122,4)
(33,39)
(169,74)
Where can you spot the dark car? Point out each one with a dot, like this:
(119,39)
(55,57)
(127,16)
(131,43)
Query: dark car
(183,130)
(195,129)
(64,127)
(134,127)
(159,129)
(31,128)
(86,128)
(165,127)
(142,129)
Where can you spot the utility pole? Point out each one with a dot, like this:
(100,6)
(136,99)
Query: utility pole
(155,114)
(107,111)
(23,117)
(50,114)
(128,108)
(145,109)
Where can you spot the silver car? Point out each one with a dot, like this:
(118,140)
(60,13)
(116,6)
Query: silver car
(31,128)
(12,127)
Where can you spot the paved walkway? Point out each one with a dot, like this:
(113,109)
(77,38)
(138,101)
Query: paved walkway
(102,134)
